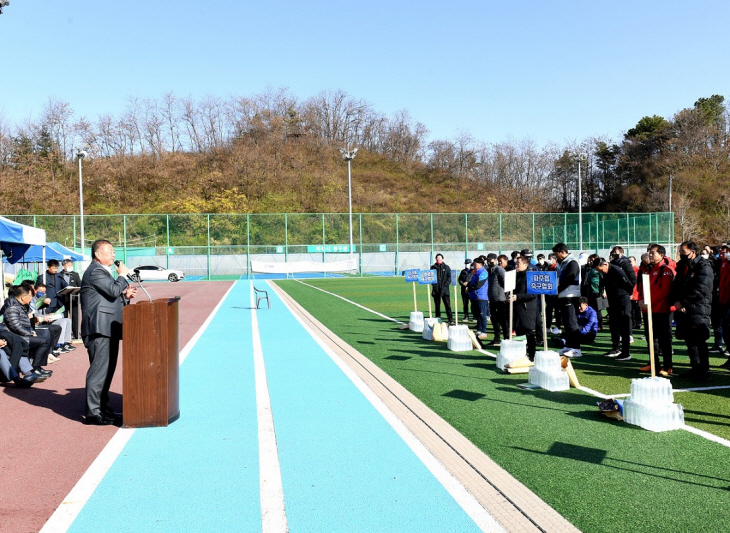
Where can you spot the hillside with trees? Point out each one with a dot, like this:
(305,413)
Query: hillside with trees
(276,153)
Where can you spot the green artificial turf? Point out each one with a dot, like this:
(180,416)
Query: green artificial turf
(601,475)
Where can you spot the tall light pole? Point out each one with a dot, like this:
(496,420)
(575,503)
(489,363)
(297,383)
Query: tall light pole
(670,209)
(80,154)
(349,155)
(580,206)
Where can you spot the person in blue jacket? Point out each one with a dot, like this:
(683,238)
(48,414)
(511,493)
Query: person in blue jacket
(478,287)
(587,319)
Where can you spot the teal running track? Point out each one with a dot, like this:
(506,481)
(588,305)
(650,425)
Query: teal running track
(343,467)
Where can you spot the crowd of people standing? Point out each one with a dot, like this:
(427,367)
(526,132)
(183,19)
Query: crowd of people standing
(689,300)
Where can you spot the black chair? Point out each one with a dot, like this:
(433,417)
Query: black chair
(261,295)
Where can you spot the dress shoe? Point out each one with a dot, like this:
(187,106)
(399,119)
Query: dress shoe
(40,372)
(27,381)
(702,378)
(666,373)
(110,413)
(98,420)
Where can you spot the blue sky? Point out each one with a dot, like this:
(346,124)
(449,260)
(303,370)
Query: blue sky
(545,70)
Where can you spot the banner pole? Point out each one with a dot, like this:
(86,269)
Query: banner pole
(415,305)
(456,307)
(428,297)
(647,301)
(544,325)
(511,303)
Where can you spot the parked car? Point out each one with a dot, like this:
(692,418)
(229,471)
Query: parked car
(154,272)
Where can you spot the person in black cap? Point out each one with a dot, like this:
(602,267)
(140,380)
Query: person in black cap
(464,278)
(528,254)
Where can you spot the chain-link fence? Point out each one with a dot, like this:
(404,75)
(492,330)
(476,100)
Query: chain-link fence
(222,245)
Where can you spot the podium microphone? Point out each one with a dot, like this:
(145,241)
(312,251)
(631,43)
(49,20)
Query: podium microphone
(136,279)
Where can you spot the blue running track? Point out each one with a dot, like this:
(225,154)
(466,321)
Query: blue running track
(343,467)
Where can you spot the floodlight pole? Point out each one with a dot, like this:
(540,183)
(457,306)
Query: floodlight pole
(580,210)
(80,155)
(670,210)
(349,155)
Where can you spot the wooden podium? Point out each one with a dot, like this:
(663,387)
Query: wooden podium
(151,379)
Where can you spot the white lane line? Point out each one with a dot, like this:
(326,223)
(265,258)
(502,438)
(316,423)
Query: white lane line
(354,303)
(480,350)
(481,517)
(708,436)
(592,392)
(273,513)
(71,506)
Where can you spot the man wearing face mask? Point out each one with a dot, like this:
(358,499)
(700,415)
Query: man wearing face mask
(72,279)
(692,294)
(55,283)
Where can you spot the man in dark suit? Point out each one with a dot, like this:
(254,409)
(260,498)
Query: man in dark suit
(104,293)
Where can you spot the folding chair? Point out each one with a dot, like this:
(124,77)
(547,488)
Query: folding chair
(261,295)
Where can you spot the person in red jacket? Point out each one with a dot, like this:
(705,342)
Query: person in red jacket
(724,298)
(661,278)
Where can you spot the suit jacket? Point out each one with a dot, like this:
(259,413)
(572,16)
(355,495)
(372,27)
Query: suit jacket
(102,302)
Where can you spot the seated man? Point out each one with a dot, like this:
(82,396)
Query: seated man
(63,344)
(15,313)
(14,360)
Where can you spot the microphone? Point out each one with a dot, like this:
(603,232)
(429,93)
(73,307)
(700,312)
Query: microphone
(136,279)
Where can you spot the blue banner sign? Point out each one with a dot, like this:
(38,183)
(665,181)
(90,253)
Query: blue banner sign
(412,275)
(454,277)
(427,277)
(542,282)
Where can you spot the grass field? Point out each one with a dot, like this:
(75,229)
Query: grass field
(602,475)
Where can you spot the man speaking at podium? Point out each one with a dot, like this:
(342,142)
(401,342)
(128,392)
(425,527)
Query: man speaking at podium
(104,293)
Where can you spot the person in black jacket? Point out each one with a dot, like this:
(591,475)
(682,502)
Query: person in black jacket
(464,278)
(15,312)
(524,306)
(442,289)
(72,279)
(568,272)
(54,283)
(619,279)
(692,294)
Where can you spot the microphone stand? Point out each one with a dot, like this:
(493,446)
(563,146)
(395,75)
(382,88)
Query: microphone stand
(136,279)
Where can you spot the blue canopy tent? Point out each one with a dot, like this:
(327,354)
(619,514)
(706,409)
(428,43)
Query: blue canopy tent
(15,240)
(65,252)
(53,250)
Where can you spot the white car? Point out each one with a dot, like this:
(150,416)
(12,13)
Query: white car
(157,273)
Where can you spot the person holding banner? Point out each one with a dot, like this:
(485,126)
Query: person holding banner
(661,278)
(525,306)
(478,286)
(441,290)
